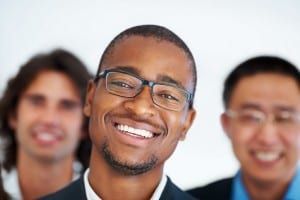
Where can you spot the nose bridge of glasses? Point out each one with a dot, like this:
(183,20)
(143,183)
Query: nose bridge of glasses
(268,122)
(144,92)
(267,119)
(147,83)
(141,87)
(142,103)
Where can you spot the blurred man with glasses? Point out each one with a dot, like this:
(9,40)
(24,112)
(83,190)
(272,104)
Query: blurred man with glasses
(140,105)
(262,120)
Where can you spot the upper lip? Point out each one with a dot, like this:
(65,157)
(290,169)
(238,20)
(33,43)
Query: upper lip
(40,129)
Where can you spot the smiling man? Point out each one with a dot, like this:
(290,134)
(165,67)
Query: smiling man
(262,120)
(45,131)
(140,106)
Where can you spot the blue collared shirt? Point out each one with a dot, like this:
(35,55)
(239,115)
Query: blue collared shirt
(239,191)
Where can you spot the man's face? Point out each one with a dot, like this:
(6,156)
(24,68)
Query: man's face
(124,148)
(267,151)
(48,119)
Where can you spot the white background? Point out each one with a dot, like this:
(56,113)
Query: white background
(219,33)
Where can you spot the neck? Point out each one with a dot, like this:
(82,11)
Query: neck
(38,178)
(266,190)
(109,184)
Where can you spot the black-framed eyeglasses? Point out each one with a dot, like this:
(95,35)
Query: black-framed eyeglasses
(124,84)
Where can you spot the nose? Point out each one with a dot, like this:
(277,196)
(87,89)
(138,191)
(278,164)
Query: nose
(267,135)
(50,116)
(142,104)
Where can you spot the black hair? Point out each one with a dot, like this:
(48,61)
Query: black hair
(258,65)
(157,32)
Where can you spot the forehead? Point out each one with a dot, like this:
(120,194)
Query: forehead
(53,84)
(151,58)
(266,90)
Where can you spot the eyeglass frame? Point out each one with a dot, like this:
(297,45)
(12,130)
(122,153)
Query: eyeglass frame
(151,84)
(267,117)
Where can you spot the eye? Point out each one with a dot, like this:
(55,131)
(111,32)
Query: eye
(36,100)
(121,84)
(284,118)
(168,97)
(250,118)
(69,105)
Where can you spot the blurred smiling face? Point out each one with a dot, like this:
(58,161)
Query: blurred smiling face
(134,134)
(265,130)
(48,119)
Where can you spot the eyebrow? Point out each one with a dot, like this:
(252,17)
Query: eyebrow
(38,96)
(285,108)
(169,80)
(248,105)
(33,96)
(161,77)
(127,69)
(275,108)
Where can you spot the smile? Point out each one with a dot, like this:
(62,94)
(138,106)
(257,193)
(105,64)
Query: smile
(267,156)
(47,138)
(135,132)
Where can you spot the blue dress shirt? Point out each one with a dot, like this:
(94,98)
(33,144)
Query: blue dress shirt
(239,191)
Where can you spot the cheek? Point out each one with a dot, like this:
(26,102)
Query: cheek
(241,139)
(175,123)
(74,130)
(291,141)
(72,121)
(101,107)
(24,120)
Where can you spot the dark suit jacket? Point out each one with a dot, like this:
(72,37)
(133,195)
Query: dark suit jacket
(76,191)
(219,190)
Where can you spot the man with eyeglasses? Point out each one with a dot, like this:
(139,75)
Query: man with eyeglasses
(140,105)
(262,120)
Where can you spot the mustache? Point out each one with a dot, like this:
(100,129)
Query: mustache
(141,119)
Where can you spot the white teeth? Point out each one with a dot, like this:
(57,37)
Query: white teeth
(47,137)
(134,131)
(267,156)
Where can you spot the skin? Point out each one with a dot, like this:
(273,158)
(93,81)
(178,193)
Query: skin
(50,106)
(150,59)
(267,93)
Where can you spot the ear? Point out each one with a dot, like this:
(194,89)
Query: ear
(188,123)
(87,109)
(226,124)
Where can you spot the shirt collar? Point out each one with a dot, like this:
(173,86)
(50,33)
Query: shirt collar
(159,190)
(293,191)
(11,180)
(91,195)
(11,183)
(239,191)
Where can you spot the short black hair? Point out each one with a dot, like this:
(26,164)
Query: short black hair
(258,65)
(58,60)
(160,33)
